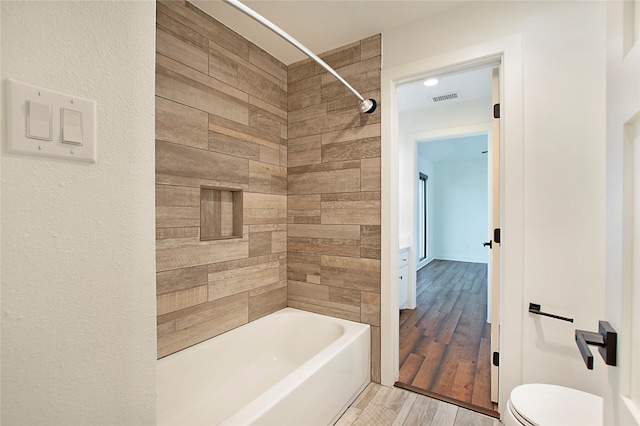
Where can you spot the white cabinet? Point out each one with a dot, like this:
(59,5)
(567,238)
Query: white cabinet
(403,276)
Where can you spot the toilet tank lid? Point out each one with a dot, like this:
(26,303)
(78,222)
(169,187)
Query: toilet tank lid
(544,404)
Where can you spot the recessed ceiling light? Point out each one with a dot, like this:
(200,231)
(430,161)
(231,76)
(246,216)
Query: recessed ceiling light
(431,82)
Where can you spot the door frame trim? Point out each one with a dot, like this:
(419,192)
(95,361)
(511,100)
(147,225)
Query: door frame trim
(509,49)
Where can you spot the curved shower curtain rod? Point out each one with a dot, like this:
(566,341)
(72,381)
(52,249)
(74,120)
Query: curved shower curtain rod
(366,105)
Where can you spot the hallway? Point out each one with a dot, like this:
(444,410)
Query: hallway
(445,342)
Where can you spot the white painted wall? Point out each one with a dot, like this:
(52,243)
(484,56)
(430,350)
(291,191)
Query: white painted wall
(554,250)
(461,211)
(78,257)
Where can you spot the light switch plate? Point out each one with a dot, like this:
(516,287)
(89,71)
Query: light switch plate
(84,111)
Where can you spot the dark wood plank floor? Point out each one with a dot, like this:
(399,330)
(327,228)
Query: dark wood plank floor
(445,343)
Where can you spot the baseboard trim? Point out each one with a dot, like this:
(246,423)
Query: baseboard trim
(460,259)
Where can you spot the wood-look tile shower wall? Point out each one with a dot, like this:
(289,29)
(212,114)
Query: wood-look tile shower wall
(230,115)
(334,189)
(221,120)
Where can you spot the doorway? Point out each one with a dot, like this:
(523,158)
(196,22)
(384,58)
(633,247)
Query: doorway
(508,53)
(445,332)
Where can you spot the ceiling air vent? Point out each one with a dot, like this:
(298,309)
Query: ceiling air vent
(446,97)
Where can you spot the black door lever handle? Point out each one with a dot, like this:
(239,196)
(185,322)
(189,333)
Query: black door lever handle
(488,243)
(606,339)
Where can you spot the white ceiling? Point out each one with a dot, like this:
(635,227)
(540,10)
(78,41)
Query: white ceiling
(470,85)
(321,25)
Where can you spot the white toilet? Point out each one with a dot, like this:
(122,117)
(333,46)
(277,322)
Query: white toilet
(544,405)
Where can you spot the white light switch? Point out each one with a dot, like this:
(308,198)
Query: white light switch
(38,121)
(71,126)
(46,123)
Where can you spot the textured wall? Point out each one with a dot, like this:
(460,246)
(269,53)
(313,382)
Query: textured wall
(221,114)
(78,309)
(334,189)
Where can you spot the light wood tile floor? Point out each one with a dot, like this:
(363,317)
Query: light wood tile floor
(380,405)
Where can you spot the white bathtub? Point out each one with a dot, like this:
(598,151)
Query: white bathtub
(289,368)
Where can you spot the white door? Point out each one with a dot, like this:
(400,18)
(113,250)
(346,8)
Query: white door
(494,223)
(622,396)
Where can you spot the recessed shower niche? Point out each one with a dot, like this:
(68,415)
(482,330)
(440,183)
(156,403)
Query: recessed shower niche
(220,213)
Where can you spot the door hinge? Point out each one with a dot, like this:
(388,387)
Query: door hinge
(496,235)
(496,359)
(496,111)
